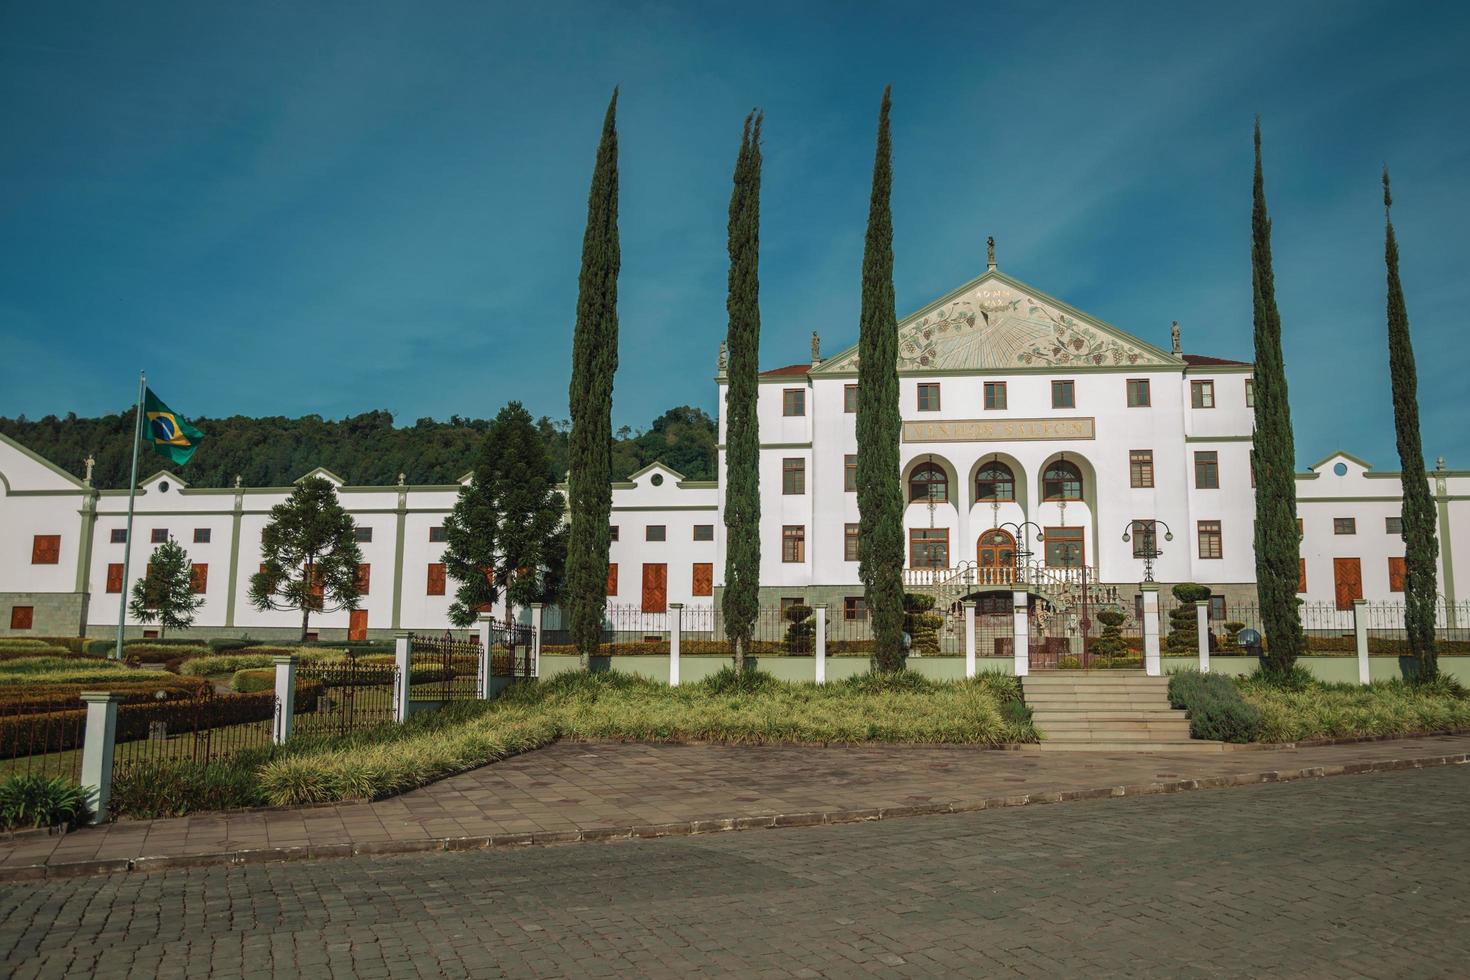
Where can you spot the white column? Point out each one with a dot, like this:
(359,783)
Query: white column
(1020,632)
(537,615)
(969,637)
(402,657)
(285,697)
(1151,663)
(1360,636)
(486,639)
(98,741)
(821,650)
(676,633)
(1202,628)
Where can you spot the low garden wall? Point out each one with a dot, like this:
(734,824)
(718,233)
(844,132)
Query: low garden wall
(1332,670)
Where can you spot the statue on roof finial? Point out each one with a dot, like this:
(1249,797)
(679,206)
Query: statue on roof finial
(1174,347)
(238,481)
(816,348)
(990,252)
(402,479)
(90,463)
(720,365)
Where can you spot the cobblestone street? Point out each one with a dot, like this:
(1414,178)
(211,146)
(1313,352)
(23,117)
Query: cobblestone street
(1350,876)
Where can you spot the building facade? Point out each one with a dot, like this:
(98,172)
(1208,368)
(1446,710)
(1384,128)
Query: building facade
(1029,427)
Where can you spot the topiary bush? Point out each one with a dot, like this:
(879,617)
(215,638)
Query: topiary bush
(801,635)
(1183,627)
(1215,708)
(921,623)
(1110,643)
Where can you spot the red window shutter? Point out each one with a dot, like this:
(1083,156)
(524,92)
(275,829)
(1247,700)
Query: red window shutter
(1301,575)
(704,578)
(655,587)
(1396,575)
(436,578)
(114,578)
(199,577)
(46,549)
(612,578)
(21,617)
(364,577)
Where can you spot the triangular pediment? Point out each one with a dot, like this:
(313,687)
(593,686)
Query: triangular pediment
(996,323)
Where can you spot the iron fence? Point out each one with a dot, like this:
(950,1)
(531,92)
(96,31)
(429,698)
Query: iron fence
(511,653)
(42,739)
(201,729)
(443,667)
(336,697)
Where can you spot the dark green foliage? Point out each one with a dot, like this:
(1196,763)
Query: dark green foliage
(37,801)
(165,594)
(921,623)
(1183,622)
(364,449)
(148,791)
(1277,541)
(594,361)
(879,491)
(309,555)
(1110,642)
(801,635)
(507,519)
(732,680)
(1216,709)
(740,600)
(1421,582)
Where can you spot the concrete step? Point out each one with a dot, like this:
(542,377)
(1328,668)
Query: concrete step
(1041,715)
(1069,685)
(1177,725)
(1115,702)
(1156,746)
(1116,735)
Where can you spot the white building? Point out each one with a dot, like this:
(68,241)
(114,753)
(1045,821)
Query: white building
(1016,408)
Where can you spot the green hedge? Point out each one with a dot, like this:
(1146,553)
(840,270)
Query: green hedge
(262,656)
(151,653)
(68,670)
(1216,709)
(28,697)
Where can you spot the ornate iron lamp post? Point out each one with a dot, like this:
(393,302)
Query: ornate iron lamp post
(1148,544)
(1023,550)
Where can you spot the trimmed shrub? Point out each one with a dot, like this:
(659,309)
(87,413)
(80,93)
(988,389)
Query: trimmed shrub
(801,635)
(1215,708)
(921,623)
(154,653)
(68,670)
(257,657)
(26,653)
(26,697)
(1183,626)
(150,790)
(226,645)
(36,801)
(1110,643)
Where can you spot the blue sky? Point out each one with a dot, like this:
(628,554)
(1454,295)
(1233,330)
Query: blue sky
(285,208)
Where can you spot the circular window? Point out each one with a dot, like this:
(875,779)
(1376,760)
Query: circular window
(657,479)
(1340,469)
(163,486)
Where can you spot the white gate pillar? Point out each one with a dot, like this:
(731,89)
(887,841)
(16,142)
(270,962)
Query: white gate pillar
(969,637)
(486,640)
(676,636)
(285,697)
(98,741)
(1202,629)
(537,617)
(1021,632)
(1360,637)
(1151,663)
(821,650)
(402,659)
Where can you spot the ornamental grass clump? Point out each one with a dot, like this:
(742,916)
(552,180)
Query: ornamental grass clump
(1318,710)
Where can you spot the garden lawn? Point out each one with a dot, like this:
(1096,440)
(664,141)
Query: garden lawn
(1317,710)
(757,709)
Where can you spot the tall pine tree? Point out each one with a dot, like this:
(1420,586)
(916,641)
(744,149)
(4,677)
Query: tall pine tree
(1420,547)
(879,489)
(1278,543)
(740,601)
(594,361)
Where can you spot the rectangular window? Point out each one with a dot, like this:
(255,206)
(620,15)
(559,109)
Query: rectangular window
(855,609)
(612,532)
(1207,470)
(656,532)
(928,397)
(704,579)
(119,535)
(21,617)
(1202,394)
(849,474)
(849,399)
(793,401)
(1301,575)
(1250,392)
(612,578)
(1210,543)
(793,543)
(995,395)
(1145,539)
(1393,525)
(1138,606)
(436,578)
(793,476)
(929,547)
(1140,468)
(114,578)
(1137,392)
(1301,530)
(1064,547)
(850,542)
(201,535)
(436,533)
(46,549)
(1344,525)
(1395,575)
(1217,608)
(198,578)
(364,577)
(1063,394)
(159,535)
(362,535)
(704,532)
(792,600)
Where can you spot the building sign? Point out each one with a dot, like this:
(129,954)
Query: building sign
(992,430)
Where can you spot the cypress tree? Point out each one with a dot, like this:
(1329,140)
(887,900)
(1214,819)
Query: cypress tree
(594,360)
(1277,541)
(740,601)
(1420,548)
(879,493)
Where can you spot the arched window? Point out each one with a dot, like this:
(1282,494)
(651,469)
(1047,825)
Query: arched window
(928,482)
(1062,481)
(995,481)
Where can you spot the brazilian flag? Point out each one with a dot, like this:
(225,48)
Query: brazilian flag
(170,433)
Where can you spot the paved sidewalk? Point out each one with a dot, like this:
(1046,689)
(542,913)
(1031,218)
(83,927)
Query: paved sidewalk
(576,791)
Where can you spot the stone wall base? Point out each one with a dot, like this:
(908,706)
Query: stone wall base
(53,613)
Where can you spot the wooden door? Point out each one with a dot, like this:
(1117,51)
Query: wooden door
(655,588)
(995,555)
(357,625)
(1347,580)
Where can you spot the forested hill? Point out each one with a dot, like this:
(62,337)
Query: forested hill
(365,449)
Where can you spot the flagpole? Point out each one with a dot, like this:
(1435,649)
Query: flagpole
(122,601)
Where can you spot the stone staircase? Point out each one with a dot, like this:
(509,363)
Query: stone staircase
(1108,711)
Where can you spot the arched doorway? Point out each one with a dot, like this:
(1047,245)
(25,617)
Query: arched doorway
(995,557)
